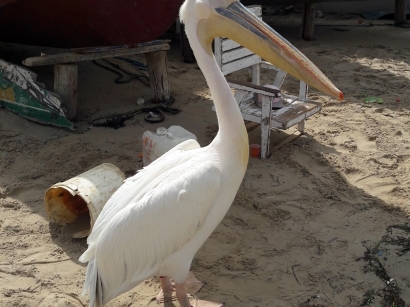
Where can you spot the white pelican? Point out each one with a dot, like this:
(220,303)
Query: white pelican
(159,218)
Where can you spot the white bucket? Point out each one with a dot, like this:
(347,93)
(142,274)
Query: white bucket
(89,191)
(154,145)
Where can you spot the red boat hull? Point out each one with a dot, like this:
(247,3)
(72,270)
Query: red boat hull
(85,23)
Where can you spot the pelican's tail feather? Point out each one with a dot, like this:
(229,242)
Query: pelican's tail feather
(93,285)
(88,254)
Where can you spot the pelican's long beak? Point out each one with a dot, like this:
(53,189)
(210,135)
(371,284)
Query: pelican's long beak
(239,24)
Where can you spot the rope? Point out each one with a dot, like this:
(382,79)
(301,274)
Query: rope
(118,80)
(135,63)
(155,115)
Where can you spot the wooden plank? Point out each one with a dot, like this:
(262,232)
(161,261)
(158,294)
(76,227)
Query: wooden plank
(74,57)
(235,55)
(252,118)
(280,78)
(250,111)
(228,44)
(303,90)
(400,13)
(158,76)
(249,107)
(258,89)
(65,85)
(308,23)
(23,95)
(243,63)
(256,74)
(239,95)
(294,113)
(249,96)
(301,126)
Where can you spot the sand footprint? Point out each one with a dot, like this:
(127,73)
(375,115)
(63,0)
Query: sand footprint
(343,143)
(365,143)
(13,284)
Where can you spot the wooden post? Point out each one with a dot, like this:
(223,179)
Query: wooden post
(256,78)
(400,13)
(265,126)
(70,57)
(256,74)
(308,22)
(158,76)
(65,85)
(303,90)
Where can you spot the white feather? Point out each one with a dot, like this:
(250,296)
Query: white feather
(154,224)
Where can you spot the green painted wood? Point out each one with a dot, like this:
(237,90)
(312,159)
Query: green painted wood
(20,94)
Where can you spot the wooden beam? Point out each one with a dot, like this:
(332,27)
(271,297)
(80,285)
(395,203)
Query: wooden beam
(265,126)
(400,13)
(250,87)
(65,85)
(158,76)
(308,21)
(78,57)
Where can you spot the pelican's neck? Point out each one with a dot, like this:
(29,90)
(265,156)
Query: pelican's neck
(232,132)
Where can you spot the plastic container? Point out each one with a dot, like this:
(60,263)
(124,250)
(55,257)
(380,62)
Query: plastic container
(87,192)
(255,150)
(154,145)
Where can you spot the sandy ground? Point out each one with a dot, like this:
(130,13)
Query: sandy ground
(322,222)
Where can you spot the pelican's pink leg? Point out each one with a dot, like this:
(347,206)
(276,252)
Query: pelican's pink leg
(167,287)
(182,295)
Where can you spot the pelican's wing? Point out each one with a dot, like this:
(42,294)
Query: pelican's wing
(176,155)
(137,239)
(135,187)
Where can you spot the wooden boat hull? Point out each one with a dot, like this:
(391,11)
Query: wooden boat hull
(85,23)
